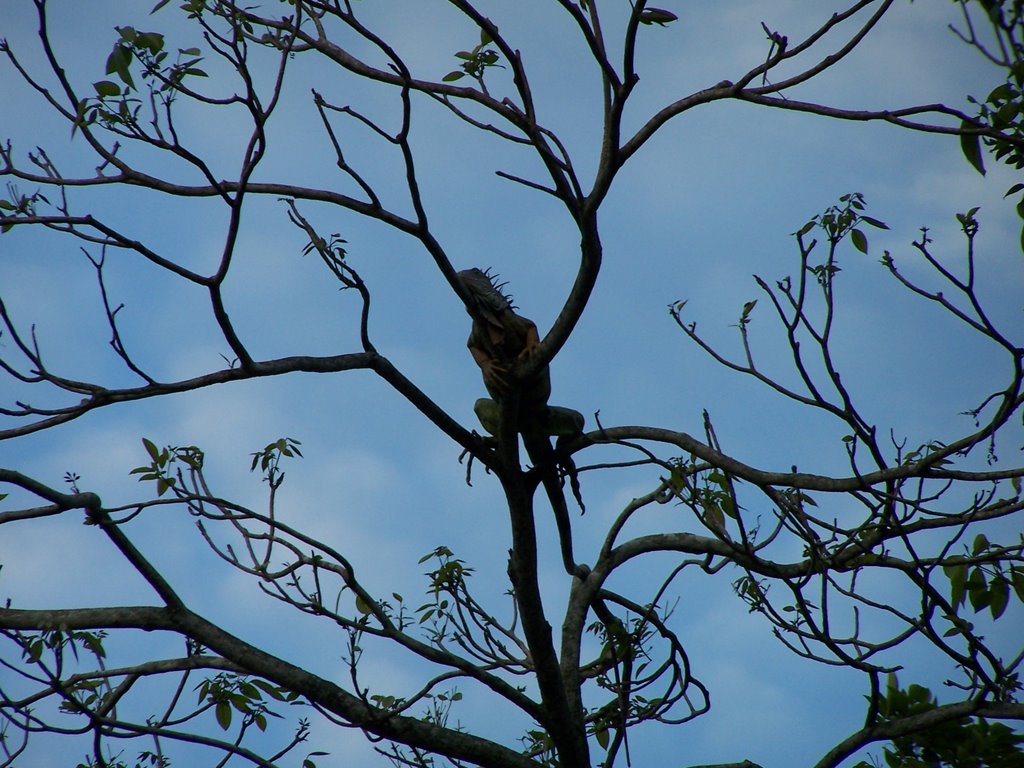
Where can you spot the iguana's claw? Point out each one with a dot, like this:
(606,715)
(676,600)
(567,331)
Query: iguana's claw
(528,351)
(494,375)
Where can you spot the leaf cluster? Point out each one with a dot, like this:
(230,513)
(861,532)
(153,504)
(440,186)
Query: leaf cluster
(228,693)
(114,103)
(1001,112)
(960,743)
(159,470)
(475,62)
(844,219)
(983,579)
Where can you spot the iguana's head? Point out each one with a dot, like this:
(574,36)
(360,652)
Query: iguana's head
(485,294)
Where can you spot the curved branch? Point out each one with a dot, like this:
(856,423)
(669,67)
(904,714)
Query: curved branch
(914,723)
(408,730)
(925,468)
(101,397)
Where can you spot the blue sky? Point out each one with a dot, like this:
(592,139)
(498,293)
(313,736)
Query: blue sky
(711,200)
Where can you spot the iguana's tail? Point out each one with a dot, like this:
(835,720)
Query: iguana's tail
(543,457)
(552,420)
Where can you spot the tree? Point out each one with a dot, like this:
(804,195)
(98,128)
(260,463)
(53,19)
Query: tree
(885,549)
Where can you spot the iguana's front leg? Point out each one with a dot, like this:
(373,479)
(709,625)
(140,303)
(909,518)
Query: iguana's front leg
(494,373)
(531,343)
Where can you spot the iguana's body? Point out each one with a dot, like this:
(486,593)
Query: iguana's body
(498,339)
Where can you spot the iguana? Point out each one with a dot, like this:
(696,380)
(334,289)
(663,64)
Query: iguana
(498,339)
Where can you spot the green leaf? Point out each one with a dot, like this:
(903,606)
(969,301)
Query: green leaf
(957,575)
(117,63)
(153,41)
(860,241)
(657,16)
(34,650)
(601,734)
(362,606)
(874,222)
(269,688)
(980,544)
(249,691)
(729,508)
(151,449)
(977,590)
(748,307)
(1014,189)
(957,629)
(223,715)
(1000,93)
(453,76)
(999,591)
(970,145)
(714,516)
(1017,577)
(116,60)
(106,88)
